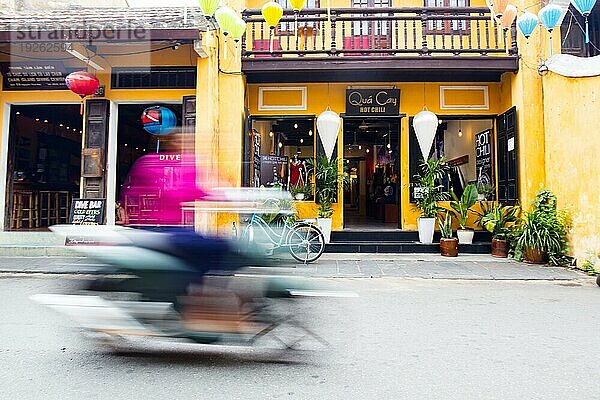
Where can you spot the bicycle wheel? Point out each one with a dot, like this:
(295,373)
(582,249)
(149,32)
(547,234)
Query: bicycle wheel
(306,242)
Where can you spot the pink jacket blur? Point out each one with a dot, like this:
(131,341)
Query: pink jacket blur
(156,186)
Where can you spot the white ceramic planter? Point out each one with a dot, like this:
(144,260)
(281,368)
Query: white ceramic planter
(465,236)
(325,225)
(426,228)
(299,196)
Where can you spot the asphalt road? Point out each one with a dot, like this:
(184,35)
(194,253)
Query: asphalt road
(401,339)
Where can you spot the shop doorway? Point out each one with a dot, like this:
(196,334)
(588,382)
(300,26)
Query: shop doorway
(134,142)
(371,160)
(43,165)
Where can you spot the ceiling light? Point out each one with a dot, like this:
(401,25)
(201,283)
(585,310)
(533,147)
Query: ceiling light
(363,125)
(280,145)
(46,121)
(301,140)
(359,147)
(310,132)
(60,125)
(87,59)
(74,129)
(367,150)
(18,113)
(460,133)
(389,146)
(68,127)
(270,133)
(440,122)
(125,144)
(137,148)
(37,119)
(295,125)
(389,151)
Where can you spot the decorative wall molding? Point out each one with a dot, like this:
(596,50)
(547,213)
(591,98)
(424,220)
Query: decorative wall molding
(281,107)
(446,105)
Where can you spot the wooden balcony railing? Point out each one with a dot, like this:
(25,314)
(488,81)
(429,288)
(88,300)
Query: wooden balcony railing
(379,32)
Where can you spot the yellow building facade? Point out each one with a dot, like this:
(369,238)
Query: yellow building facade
(241,84)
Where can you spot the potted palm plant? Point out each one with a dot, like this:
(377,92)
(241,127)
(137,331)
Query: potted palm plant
(448,243)
(461,209)
(428,192)
(327,178)
(499,220)
(543,234)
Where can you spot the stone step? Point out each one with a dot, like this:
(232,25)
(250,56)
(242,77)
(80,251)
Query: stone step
(403,247)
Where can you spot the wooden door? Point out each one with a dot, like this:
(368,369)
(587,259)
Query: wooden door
(506,145)
(93,155)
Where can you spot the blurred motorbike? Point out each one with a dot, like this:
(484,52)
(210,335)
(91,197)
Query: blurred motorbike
(179,285)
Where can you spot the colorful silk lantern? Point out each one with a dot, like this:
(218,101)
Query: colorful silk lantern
(499,6)
(425,124)
(297,6)
(508,16)
(83,84)
(227,19)
(549,17)
(506,21)
(272,13)
(209,7)
(239,29)
(328,125)
(527,23)
(585,8)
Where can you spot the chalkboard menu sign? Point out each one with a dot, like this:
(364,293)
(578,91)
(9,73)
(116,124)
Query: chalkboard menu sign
(34,76)
(483,158)
(87,212)
(372,102)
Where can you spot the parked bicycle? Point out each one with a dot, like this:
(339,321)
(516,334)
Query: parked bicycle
(304,240)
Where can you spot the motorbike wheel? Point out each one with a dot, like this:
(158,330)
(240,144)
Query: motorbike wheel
(598,280)
(305,242)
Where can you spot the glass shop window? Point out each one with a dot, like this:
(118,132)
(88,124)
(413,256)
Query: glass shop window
(280,150)
(468,147)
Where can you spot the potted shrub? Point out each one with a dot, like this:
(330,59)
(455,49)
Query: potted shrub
(543,235)
(327,178)
(448,244)
(461,209)
(498,220)
(301,192)
(428,192)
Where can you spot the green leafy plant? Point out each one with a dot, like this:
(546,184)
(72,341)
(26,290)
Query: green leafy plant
(445,225)
(462,206)
(327,179)
(305,189)
(499,220)
(545,229)
(430,191)
(485,189)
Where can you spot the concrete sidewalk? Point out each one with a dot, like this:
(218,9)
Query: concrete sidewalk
(424,266)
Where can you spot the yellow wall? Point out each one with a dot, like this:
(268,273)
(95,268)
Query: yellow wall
(572,148)
(412,98)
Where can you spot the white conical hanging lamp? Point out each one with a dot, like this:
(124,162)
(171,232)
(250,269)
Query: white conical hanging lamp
(328,125)
(425,124)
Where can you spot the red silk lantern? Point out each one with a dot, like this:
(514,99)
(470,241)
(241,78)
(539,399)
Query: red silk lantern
(83,84)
